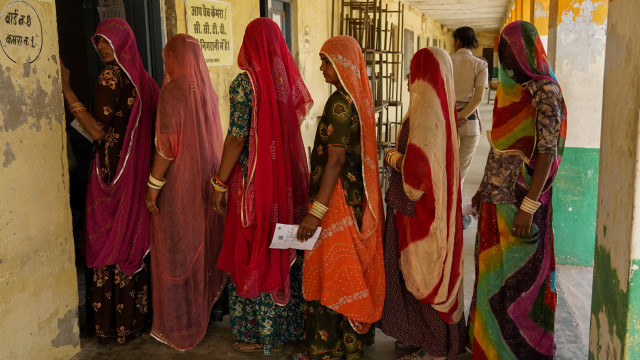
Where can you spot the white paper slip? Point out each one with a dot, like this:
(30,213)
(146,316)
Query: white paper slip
(76,125)
(285,238)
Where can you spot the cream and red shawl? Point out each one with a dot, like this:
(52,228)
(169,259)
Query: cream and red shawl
(430,243)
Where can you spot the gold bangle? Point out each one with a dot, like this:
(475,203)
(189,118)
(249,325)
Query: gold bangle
(318,210)
(217,187)
(529,206)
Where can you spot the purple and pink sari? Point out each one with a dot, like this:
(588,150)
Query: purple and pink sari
(117,220)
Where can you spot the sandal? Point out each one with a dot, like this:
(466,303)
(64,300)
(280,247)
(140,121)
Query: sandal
(418,355)
(406,347)
(301,356)
(246,347)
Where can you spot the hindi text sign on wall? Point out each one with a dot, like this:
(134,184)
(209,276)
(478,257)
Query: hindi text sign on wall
(20,32)
(209,21)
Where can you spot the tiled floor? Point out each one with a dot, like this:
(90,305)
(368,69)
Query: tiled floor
(572,314)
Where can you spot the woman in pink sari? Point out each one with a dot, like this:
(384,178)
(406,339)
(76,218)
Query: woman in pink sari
(186,234)
(116,236)
(265,167)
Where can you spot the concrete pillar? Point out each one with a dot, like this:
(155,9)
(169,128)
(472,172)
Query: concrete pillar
(578,48)
(540,19)
(38,287)
(527,10)
(615,309)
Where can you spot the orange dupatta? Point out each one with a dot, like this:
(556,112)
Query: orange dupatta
(345,269)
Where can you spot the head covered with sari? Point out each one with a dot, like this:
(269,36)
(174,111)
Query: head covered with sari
(187,233)
(117,220)
(430,243)
(345,270)
(522,58)
(276,188)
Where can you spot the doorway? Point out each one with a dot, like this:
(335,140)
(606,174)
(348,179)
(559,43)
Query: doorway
(76,22)
(487,54)
(280,12)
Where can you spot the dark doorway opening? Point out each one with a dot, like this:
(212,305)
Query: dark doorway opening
(280,12)
(487,54)
(77,21)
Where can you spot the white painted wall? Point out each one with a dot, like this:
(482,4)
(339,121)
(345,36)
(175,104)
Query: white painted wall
(579,67)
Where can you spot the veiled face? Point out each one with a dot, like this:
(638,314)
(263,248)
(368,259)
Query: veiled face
(105,50)
(510,62)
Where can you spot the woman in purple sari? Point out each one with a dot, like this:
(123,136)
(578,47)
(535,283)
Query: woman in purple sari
(116,234)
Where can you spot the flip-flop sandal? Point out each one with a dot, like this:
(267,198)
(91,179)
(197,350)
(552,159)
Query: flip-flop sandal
(246,347)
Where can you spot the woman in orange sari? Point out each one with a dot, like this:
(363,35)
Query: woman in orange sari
(343,276)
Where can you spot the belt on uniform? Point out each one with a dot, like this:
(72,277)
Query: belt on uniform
(473,116)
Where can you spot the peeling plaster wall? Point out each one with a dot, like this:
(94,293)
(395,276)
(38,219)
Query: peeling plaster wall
(615,321)
(577,43)
(38,290)
(579,66)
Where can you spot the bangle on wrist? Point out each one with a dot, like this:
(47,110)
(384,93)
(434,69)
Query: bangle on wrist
(218,185)
(154,183)
(318,210)
(529,206)
(76,107)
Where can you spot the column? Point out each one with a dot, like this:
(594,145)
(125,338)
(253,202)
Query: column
(540,18)
(615,309)
(578,51)
(38,280)
(527,10)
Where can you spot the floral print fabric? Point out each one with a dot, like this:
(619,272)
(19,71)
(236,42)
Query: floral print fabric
(115,96)
(329,335)
(120,302)
(241,111)
(261,321)
(339,127)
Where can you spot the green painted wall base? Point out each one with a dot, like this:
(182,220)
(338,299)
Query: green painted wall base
(575,196)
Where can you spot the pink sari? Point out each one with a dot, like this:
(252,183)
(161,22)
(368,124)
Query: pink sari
(117,220)
(278,178)
(187,234)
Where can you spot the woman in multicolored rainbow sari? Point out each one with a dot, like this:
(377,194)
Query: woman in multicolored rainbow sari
(512,314)
(424,302)
(343,276)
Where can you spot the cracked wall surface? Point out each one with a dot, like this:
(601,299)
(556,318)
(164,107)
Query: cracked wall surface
(615,312)
(38,290)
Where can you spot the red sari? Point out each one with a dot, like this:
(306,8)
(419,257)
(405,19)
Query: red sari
(186,234)
(278,178)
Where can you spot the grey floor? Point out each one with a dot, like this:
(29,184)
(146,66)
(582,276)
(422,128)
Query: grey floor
(572,313)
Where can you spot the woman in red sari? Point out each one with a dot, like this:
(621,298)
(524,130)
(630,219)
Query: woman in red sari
(116,234)
(265,171)
(186,234)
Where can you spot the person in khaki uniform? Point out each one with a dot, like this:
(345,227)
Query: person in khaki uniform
(471,79)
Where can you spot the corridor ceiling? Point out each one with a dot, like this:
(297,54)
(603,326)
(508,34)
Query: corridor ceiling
(481,15)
